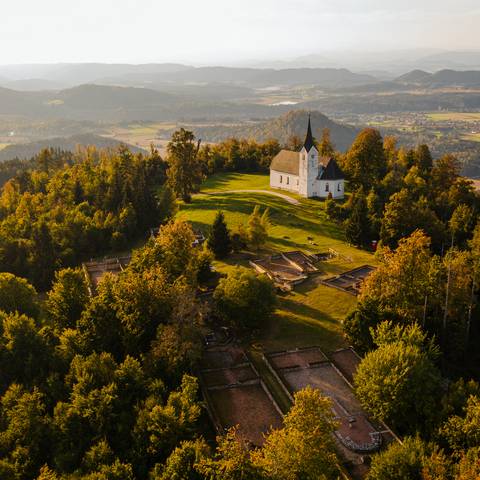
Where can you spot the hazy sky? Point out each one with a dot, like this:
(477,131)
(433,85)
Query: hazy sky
(206,31)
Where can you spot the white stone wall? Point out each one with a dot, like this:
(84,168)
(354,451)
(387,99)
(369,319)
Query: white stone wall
(284,181)
(308,172)
(335,187)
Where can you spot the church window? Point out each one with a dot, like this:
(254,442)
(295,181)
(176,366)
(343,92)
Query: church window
(298,181)
(281,178)
(339,187)
(327,187)
(288,180)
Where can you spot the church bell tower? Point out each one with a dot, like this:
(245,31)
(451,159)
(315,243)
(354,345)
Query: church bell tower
(308,167)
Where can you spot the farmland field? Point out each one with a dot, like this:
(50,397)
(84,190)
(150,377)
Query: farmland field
(140,134)
(455,116)
(472,137)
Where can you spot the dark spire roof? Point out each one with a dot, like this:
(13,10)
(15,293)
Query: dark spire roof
(309,143)
(330,170)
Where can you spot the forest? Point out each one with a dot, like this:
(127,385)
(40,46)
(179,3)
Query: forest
(103,386)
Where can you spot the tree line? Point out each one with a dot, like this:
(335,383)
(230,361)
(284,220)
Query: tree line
(395,191)
(416,321)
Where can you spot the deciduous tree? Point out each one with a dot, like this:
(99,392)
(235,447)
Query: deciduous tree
(303,449)
(184,170)
(245,299)
(67,298)
(398,381)
(365,163)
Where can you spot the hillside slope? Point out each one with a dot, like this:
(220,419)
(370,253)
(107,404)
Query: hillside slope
(442,78)
(282,128)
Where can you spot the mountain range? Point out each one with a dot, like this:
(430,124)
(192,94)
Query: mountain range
(53,77)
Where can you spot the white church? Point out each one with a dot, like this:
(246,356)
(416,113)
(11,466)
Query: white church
(304,173)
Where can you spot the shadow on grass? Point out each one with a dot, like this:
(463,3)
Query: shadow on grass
(285,332)
(282,214)
(298,308)
(226,179)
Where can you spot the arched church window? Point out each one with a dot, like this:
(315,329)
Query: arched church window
(281,178)
(327,187)
(339,187)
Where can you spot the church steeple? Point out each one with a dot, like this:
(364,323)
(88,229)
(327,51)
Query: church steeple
(309,143)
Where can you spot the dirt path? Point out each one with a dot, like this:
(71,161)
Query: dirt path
(291,200)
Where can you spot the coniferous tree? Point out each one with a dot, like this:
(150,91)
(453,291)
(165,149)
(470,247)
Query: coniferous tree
(423,159)
(331,208)
(219,239)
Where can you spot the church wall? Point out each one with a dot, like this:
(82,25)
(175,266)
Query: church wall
(284,181)
(335,187)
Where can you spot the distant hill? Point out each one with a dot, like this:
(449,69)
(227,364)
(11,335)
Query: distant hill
(281,129)
(323,77)
(148,75)
(73,74)
(119,104)
(32,84)
(28,150)
(100,97)
(415,76)
(88,102)
(457,60)
(442,78)
(13,102)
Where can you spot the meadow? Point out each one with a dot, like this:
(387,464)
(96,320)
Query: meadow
(312,314)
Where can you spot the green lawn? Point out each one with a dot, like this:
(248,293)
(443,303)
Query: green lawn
(312,314)
(309,316)
(236,181)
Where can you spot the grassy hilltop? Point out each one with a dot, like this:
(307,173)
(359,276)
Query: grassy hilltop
(312,314)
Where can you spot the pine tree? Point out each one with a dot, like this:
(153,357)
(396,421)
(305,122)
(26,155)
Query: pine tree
(423,159)
(331,208)
(219,241)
